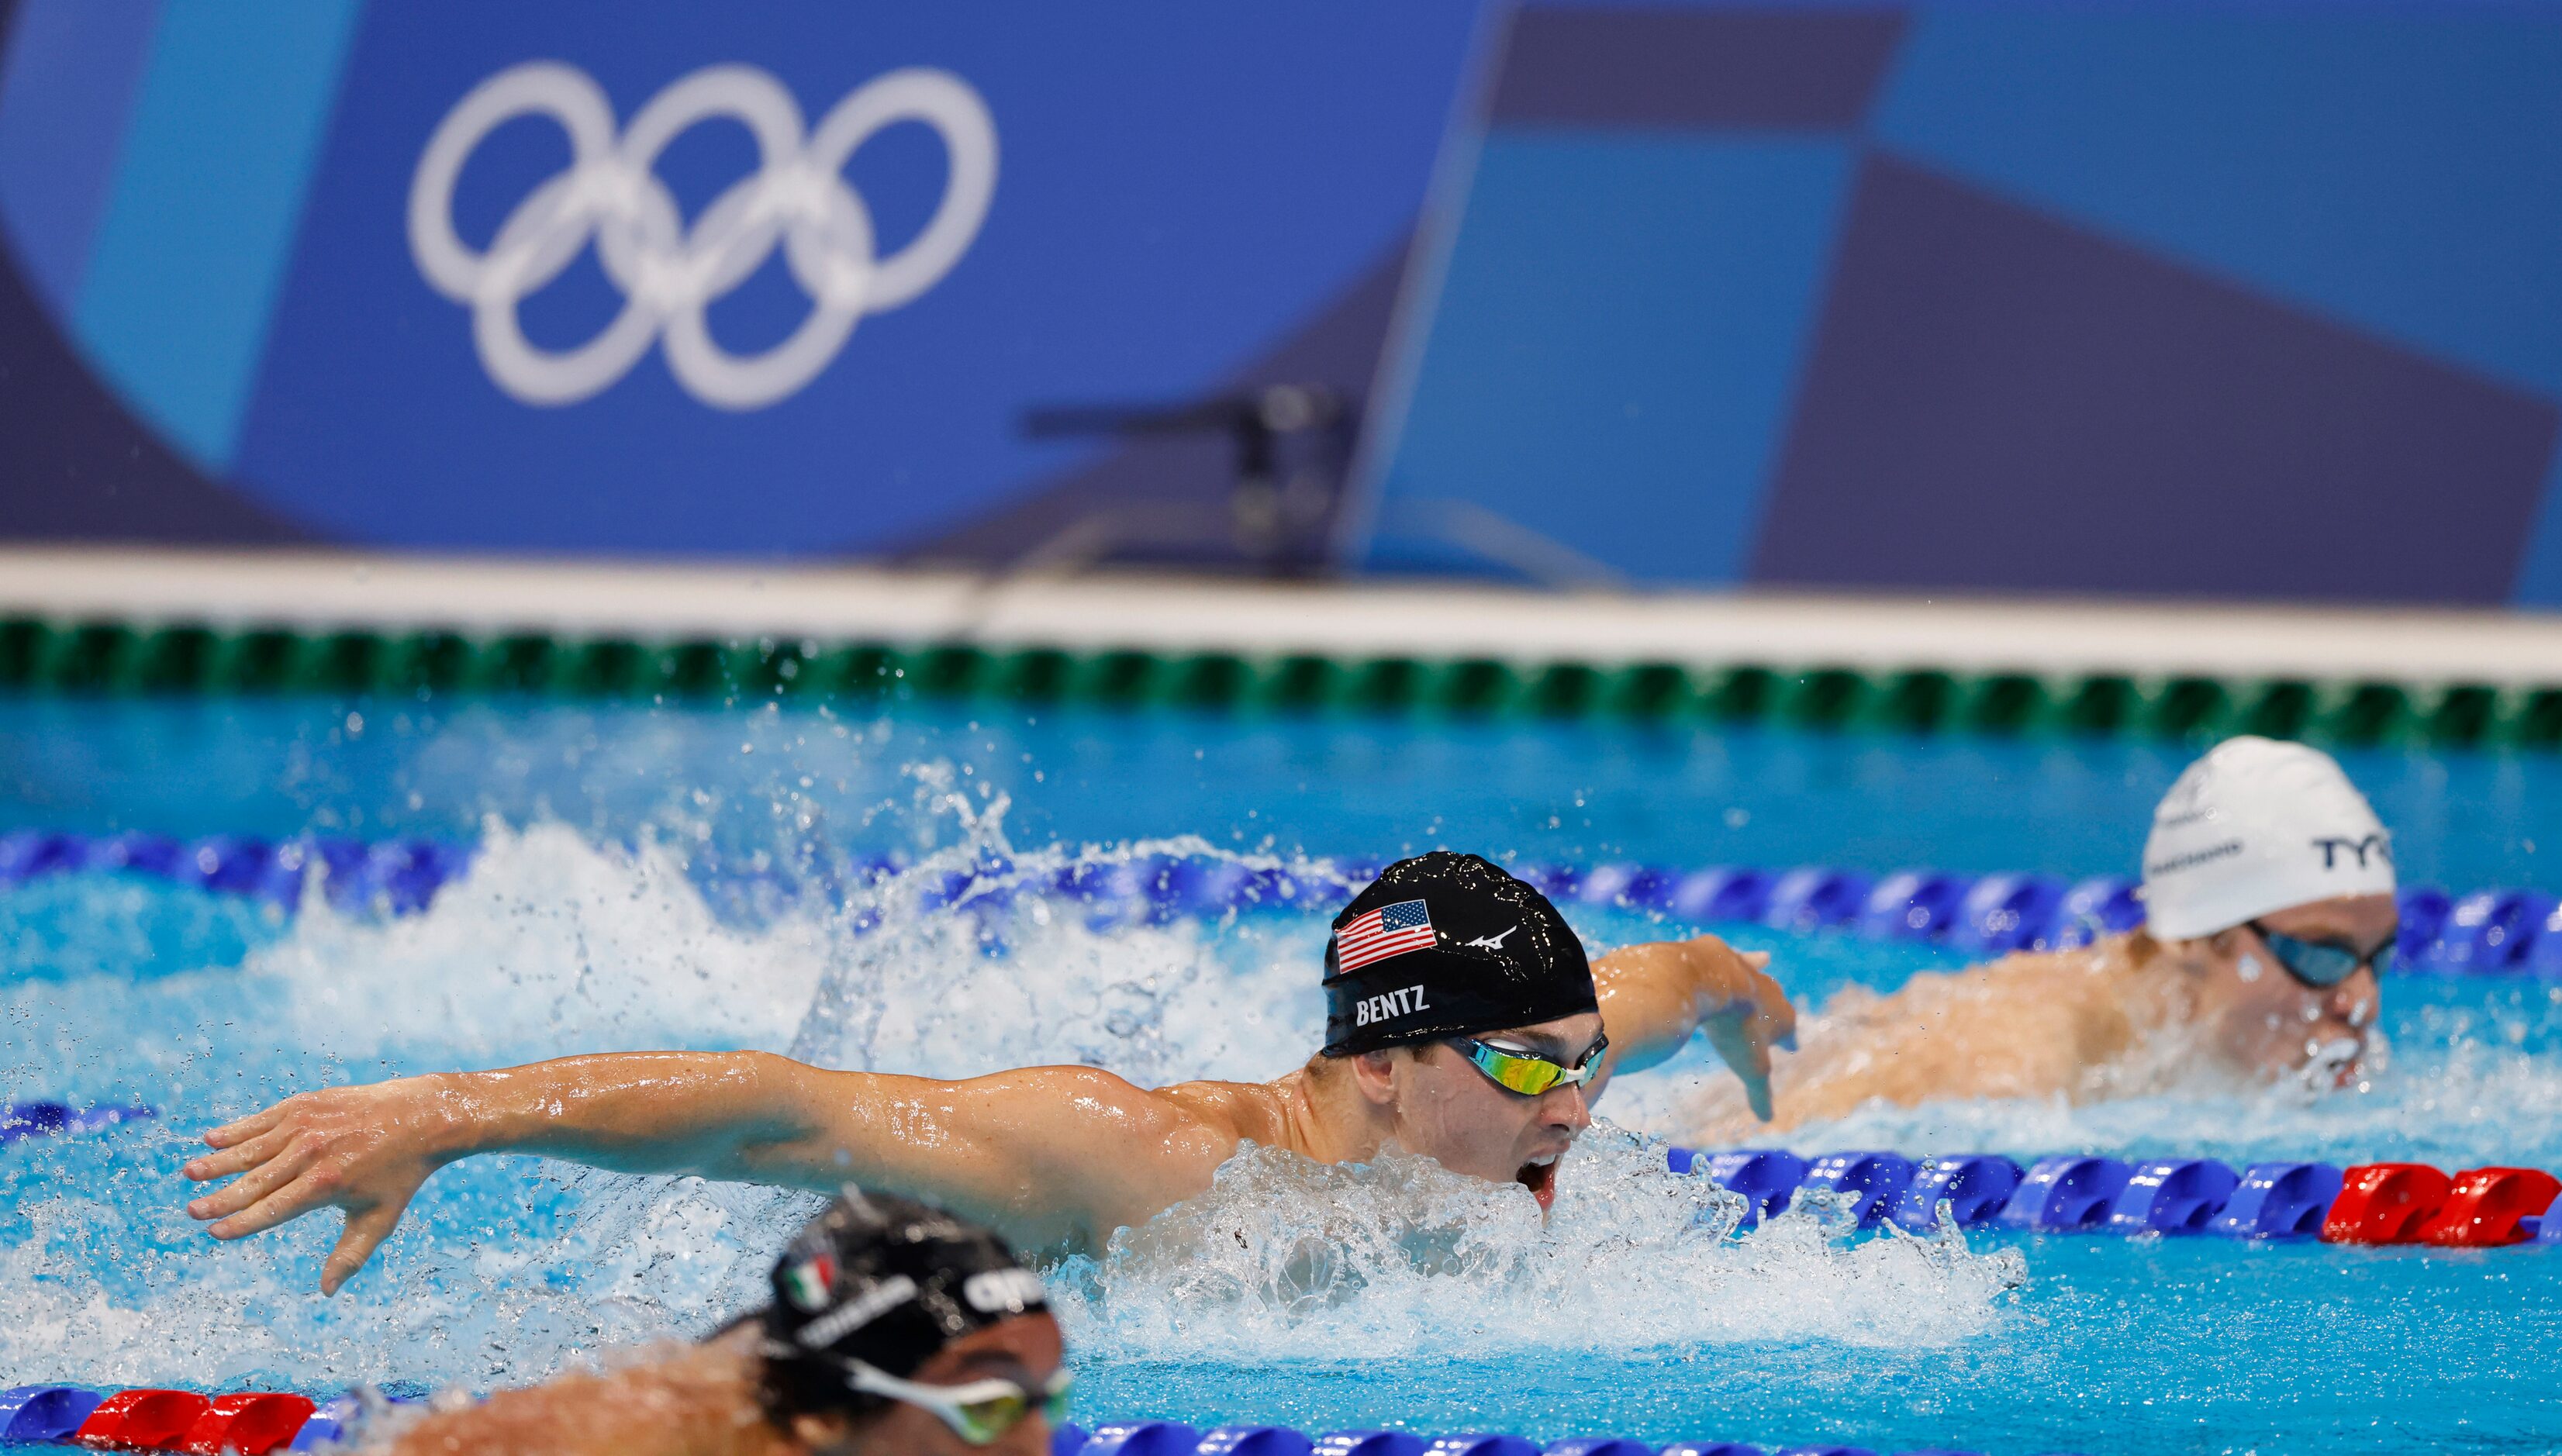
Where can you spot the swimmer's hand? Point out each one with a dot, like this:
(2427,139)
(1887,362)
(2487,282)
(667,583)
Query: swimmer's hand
(365,1150)
(1753,1016)
(1652,997)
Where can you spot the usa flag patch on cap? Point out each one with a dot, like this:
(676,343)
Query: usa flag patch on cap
(1389,930)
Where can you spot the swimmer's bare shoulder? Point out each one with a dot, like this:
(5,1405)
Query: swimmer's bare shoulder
(1097,1152)
(2031,1024)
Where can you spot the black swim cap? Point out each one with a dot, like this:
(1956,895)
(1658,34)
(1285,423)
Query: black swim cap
(886,1281)
(1444,945)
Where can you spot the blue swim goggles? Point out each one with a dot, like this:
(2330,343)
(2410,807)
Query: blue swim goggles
(1519,1071)
(2320,965)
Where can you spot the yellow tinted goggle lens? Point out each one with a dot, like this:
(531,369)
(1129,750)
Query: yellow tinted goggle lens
(1527,1075)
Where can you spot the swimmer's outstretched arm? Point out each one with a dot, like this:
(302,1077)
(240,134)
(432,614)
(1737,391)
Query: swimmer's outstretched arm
(1052,1158)
(1654,996)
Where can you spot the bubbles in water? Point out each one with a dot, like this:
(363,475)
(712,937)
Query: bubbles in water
(120,1292)
(507,1268)
(1284,1258)
(549,945)
(971,962)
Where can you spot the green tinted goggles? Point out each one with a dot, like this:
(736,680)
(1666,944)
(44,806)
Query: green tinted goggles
(1519,1071)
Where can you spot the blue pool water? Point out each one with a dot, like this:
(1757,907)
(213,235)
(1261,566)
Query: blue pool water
(583,925)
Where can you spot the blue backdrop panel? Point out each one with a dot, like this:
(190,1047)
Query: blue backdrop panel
(182,276)
(1177,185)
(1619,338)
(2539,568)
(1671,66)
(2235,301)
(66,85)
(2368,163)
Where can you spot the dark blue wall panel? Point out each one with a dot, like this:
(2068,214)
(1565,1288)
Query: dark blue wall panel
(1998,396)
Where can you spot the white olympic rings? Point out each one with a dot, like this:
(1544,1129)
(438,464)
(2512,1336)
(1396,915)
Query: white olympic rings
(669,272)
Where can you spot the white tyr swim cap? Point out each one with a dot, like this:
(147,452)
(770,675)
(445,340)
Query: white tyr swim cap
(2254,827)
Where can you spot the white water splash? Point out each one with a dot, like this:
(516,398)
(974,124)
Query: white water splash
(108,1294)
(1284,1258)
(553,945)
(548,945)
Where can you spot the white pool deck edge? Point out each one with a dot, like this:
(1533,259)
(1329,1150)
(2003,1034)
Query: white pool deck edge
(315,590)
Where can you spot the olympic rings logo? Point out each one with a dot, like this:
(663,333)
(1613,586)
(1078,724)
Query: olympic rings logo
(668,273)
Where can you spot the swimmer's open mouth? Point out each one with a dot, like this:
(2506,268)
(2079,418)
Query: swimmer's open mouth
(1541,1179)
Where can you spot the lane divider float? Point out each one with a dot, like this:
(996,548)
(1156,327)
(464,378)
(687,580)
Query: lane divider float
(2372,1204)
(258,1423)
(1173,1438)
(22,1120)
(2487,932)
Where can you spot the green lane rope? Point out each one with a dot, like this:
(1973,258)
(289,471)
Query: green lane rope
(111,658)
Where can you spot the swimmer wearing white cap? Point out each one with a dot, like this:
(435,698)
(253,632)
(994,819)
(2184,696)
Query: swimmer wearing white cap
(1463,1024)
(2269,909)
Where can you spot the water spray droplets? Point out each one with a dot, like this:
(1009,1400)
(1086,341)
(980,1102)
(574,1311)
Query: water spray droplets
(1284,1258)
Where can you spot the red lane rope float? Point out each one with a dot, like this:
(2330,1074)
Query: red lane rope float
(154,1421)
(2411,1203)
(2385,1203)
(252,1423)
(249,1422)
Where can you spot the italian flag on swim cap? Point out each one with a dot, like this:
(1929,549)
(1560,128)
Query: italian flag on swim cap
(809,1281)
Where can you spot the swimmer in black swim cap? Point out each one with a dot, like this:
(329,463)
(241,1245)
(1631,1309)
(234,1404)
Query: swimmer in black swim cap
(1464,1024)
(896,1330)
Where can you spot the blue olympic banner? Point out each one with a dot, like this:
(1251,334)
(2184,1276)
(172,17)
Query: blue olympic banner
(667,277)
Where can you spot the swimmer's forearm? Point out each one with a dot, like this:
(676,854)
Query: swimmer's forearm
(1654,997)
(716,1115)
(369,1148)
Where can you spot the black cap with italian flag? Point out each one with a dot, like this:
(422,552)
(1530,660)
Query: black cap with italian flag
(883,1281)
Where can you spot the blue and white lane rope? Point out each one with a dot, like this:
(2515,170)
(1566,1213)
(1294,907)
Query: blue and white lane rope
(2493,931)
(254,1423)
(2482,1207)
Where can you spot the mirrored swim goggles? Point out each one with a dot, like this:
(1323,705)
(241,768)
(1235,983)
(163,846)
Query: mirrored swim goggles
(2320,965)
(1519,1071)
(979,1411)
